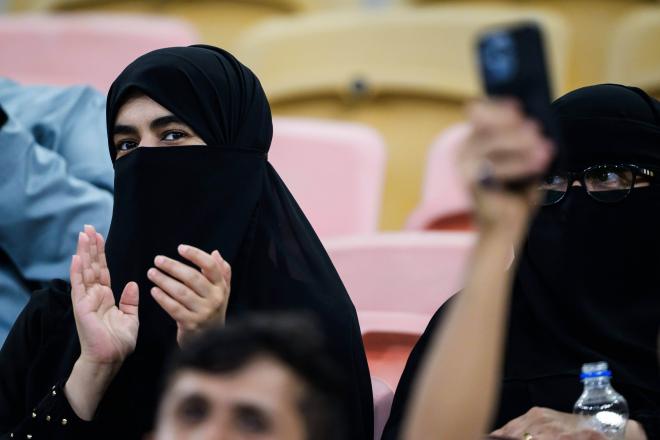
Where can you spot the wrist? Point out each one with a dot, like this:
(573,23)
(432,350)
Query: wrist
(87,384)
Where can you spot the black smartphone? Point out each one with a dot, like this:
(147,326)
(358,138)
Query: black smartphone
(512,63)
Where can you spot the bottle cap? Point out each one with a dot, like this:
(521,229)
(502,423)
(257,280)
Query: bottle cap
(596,369)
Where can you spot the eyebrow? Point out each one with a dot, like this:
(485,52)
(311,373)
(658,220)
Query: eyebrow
(155,124)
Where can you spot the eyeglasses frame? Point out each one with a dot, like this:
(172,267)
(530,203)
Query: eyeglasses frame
(572,176)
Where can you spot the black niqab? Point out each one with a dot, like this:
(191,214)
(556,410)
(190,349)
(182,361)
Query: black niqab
(587,283)
(223,196)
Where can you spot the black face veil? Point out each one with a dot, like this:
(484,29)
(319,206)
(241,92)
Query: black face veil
(223,196)
(589,274)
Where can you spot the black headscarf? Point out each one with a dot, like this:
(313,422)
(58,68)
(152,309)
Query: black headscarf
(588,282)
(589,272)
(224,196)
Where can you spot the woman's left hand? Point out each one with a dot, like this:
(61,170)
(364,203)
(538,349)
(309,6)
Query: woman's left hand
(195,299)
(547,424)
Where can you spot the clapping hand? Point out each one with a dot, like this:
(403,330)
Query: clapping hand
(194,298)
(107,331)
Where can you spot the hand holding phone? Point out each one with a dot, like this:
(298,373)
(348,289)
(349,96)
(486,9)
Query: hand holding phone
(512,65)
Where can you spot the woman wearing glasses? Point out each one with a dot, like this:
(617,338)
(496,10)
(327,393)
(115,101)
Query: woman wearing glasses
(587,286)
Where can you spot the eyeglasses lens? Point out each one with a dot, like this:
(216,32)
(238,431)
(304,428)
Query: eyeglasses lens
(609,184)
(555,187)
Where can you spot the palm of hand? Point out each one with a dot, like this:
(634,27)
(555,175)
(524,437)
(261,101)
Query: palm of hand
(107,332)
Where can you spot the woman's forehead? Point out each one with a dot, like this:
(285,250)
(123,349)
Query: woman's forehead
(139,107)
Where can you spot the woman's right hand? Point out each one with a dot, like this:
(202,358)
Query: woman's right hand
(107,332)
(504,145)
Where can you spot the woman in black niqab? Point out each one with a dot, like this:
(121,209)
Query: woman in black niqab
(223,195)
(587,279)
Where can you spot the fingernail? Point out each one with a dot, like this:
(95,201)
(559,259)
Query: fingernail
(154,291)
(182,248)
(159,260)
(151,273)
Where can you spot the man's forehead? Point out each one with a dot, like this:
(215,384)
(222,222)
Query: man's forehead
(263,380)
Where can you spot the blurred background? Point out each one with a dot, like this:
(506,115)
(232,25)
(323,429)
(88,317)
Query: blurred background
(402,67)
(368,98)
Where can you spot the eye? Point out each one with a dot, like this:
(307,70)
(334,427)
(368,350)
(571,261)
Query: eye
(554,183)
(252,420)
(609,179)
(173,135)
(193,410)
(125,145)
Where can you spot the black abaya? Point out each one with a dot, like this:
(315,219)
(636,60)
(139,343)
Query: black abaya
(224,195)
(586,288)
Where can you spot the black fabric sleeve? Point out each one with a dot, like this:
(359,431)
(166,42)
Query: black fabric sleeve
(16,355)
(394,424)
(23,411)
(53,418)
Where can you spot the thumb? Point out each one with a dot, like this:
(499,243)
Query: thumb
(128,303)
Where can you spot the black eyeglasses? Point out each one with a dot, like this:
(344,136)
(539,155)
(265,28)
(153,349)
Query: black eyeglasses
(604,183)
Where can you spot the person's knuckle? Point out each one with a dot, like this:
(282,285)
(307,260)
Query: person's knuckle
(179,291)
(536,411)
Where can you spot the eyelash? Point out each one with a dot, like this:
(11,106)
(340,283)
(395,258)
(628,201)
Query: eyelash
(120,144)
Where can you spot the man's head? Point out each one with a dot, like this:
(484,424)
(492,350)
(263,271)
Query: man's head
(262,378)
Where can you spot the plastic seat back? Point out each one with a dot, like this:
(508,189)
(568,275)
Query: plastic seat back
(405,71)
(635,45)
(397,281)
(444,195)
(334,169)
(80,48)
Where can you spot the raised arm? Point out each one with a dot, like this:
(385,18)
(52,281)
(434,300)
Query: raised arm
(107,331)
(455,392)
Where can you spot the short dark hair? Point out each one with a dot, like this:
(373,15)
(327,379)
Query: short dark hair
(294,340)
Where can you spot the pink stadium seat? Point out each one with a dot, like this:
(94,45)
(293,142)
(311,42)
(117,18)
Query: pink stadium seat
(82,48)
(334,169)
(444,197)
(397,281)
(383,397)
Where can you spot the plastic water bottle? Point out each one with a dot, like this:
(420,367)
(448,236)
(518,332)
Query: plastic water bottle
(602,408)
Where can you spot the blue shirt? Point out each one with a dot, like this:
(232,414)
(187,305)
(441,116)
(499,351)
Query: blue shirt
(55,176)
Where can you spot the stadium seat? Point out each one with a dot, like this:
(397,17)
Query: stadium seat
(406,72)
(334,169)
(445,201)
(591,23)
(82,48)
(383,397)
(219,22)
(635,45)
(397,281)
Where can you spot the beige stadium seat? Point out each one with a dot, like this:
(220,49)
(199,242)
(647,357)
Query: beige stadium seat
(634,57)
(591,22)
(407,72)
